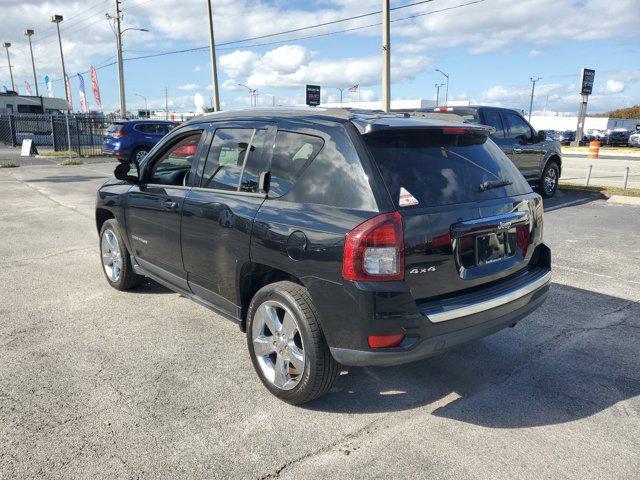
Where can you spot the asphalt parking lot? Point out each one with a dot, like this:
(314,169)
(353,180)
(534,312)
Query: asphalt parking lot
(146,384)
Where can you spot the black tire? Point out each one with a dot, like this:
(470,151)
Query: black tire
(549,179)
(320,369)
(127,279)
(142,151)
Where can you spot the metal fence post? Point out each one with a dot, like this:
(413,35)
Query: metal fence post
(79,151)
(53,133)
(12,131)
(626,177)
(589,174)
(66,117)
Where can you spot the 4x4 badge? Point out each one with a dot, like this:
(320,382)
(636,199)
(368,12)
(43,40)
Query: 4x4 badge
(406,199)
(423,270)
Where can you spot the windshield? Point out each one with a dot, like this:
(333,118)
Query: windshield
(438,168)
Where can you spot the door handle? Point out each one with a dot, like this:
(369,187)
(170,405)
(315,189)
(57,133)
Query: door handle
(517,150)
(170,204)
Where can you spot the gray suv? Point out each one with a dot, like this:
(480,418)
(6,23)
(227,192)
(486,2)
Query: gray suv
(537,157)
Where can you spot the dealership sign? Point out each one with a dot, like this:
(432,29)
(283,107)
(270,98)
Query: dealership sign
(313,95)
(586,81)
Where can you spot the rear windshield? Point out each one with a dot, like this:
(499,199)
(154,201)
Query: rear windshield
(436,168)
(116,127)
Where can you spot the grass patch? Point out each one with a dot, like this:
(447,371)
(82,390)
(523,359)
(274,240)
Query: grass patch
(603,150)
(606,191)
(8,165)
(58,154)
(72,161)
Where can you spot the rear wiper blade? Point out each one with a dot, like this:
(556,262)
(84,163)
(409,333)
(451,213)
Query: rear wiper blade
(489,185)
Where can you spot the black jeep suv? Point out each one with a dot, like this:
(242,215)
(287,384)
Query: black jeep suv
(536,155)
(331,236)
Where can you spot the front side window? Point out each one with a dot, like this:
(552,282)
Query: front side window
(235,160)
(173,167)
(518,128)
(292,152)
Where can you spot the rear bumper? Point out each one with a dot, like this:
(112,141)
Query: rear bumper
(478,315)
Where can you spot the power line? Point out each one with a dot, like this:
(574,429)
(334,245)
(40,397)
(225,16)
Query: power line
(225,45)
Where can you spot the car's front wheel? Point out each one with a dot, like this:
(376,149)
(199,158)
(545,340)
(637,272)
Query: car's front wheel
(550,179)
(286,344)
(116,262)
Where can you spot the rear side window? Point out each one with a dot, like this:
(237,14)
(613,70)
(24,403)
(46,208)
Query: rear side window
(292,153)
(438,168)
(492,118)
(235,160)
(116,127)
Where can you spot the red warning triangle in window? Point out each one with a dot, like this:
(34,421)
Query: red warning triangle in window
(406,199)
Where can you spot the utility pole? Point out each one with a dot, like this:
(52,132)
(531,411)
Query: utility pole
(28,33)
(166,104)
(386,57)
(438,85)
(123,102)
(57,19)
(6,45)
(446,92)
(533,89)
(214,72)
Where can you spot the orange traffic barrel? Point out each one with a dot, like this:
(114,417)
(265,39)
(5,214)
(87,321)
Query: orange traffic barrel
(594,149)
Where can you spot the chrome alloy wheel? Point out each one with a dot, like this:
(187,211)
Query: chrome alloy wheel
(140,154)
(550,180)
(111,255)
(277,344)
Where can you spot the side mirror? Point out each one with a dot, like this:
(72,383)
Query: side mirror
(127,171)
(542,136)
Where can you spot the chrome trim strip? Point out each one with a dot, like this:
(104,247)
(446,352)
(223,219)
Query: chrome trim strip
(490,303)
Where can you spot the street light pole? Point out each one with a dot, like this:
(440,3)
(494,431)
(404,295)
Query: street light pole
(145,101)
(252,94)
(446,92)
(214,71)
(533,89)
(386,57)
(438,85)
(28,33)
(6,45)
(340,90)
(57,19)
(123,102)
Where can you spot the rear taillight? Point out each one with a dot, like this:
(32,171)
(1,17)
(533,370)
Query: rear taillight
(374,250)
(522,238)
(385,341)
(117,134)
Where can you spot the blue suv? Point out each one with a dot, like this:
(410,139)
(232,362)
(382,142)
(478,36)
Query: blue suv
(132,139)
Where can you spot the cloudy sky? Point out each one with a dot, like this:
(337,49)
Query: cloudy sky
(490,48)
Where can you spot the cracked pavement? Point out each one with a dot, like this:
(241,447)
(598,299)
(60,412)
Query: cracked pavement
(97,383)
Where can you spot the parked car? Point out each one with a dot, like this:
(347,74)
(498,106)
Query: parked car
(566,137)
(536,156)
(331,237)
(132,139)
(617,138)
(634,140)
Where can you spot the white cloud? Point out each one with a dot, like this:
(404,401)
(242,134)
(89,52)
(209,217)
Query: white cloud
(196,69)
(188,86)
(613,86)
(292,66)
(534,53)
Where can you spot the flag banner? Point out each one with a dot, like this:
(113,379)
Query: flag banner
(82,93)
(28,88)
(354,89)
(47,80)
(68,92)
(96,89)
(15,89)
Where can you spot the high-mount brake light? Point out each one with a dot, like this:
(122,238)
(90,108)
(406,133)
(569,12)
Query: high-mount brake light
(454,130)
(374,250)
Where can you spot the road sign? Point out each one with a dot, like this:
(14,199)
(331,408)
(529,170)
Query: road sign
(313,95)
(586,81)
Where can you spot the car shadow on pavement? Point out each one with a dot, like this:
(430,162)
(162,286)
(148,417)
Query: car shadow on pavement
(565,198)
(572,358)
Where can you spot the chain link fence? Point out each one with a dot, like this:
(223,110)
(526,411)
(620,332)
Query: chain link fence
(78,133)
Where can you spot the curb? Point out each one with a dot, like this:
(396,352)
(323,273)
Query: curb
(623,200)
